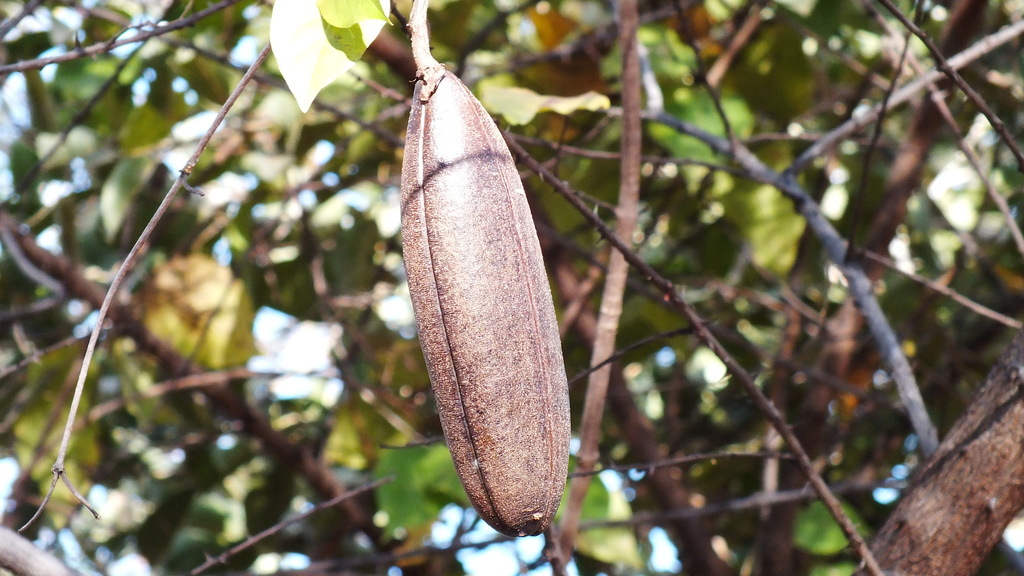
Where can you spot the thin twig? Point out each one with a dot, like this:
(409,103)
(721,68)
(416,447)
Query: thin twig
(652,518)
(858,283)
(840,133)
(751,23)
(140,246)
(108,45)
(251,541)
(616,156)
(9,24)
(189,382)
(876,136)
(26,266)
(79,117)
(948,292)
(975,162)
(739,504)
(627,213)
(739,374)
(618,353)
(946,68)
(681,460)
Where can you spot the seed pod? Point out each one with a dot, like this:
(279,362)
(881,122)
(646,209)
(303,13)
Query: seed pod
(483,308)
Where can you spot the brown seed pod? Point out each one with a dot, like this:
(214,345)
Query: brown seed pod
(484,311)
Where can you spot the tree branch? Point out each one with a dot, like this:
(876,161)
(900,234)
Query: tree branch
(23,558)
(626,214)
(682,307)
(968,492)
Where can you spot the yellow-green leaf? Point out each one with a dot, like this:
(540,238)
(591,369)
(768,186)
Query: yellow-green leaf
(308,58)
(817,532)
(348,13)
(520,105)
(766,219)
(201,309)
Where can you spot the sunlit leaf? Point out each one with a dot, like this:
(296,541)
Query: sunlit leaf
(348,13)
(801,7)
(145,126)
(613,545)
(424,482)
(520,105)
(80,142)
(551,26)
(838,569)
(308,55)
(767,221)
(343,446)
(201,309)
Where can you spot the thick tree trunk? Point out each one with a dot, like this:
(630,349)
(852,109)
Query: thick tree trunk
(963,498)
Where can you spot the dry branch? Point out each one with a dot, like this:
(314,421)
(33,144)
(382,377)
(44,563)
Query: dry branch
(963,498)
(23,558)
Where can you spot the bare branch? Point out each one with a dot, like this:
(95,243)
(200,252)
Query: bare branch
(687,459)
(964,497)
(23,558)
(946,67)
(251,541)
(948,292)
(108,45)
(858,283)
(840,133)
(626,214)
(740,375)
(140,246)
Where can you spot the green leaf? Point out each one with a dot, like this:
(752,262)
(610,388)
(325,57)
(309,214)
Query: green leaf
(348,41)
(343,445)
(801,7)
(145,126)
(698,108)
(154,534)
(817,532)
(767,221)
(348,13)
(119,191)
(267,503)
(81,142)
(425,482)
(201,309)
(612,545)
(519,105)
(23,158)
(310,60)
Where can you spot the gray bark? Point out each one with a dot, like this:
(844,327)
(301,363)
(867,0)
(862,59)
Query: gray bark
(23,558)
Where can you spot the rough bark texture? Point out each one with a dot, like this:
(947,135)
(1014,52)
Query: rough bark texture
(964,497)
(483,307)
(838,356)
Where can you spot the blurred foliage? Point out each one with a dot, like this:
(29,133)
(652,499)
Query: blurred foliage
(287,262)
